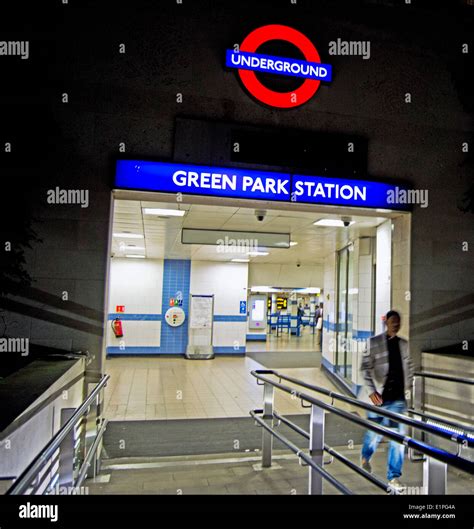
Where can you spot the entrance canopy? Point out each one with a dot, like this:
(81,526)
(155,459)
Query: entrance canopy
(251,184)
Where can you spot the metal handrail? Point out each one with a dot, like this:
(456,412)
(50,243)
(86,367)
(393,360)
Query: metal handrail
(433,452)
(24,480)
(418,409)
(441,420)
(464,436)
(337,484)
(447,378)
(90,454)
(376,481)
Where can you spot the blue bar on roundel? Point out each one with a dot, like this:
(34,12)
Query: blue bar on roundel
(257,62)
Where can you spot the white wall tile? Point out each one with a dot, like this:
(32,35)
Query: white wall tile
(383,273)
(228,283)
(137,284)
(286,275)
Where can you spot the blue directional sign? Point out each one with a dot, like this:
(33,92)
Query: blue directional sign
(243,307)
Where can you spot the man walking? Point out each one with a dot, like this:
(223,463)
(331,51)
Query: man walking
(318,320)
(388,374)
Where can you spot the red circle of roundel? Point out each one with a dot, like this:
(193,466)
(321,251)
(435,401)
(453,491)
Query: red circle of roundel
(279,99)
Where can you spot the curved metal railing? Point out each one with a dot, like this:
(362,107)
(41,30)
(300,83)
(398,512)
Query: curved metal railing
(436,462)
(418,408)
(465,436)
(55,462)
(448,378)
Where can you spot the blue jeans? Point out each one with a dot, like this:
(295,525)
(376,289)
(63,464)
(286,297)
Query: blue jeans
(396,451)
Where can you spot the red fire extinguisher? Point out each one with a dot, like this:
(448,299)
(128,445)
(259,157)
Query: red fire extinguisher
(117,328)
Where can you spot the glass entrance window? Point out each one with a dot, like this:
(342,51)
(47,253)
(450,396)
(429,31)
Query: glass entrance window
(345,303)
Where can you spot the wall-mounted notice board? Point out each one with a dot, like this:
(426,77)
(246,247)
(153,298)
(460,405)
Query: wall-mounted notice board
(202,311)
(201,327)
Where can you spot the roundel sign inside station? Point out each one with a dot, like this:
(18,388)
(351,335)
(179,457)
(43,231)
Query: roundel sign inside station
(248,61)
(175,316)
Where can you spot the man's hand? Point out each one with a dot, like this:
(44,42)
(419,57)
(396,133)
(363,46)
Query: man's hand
(376,398)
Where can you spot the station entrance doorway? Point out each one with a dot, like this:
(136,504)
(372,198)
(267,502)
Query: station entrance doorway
(309,305)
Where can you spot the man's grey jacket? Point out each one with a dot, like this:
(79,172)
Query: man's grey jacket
(374,366)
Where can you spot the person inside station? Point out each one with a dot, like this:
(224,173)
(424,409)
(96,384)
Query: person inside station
(318,321)
(388,374)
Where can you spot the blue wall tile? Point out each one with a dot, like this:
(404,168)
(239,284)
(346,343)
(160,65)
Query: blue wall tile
(134,317)
(176,276)
(133,349)
(234,318)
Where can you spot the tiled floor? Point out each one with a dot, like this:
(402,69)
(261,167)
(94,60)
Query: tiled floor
(174,388)
(306,342)
(229,474)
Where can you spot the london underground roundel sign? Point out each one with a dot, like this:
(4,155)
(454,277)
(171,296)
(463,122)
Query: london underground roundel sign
(247,62)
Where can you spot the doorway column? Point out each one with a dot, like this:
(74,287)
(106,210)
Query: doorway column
(293,313)
(273,309)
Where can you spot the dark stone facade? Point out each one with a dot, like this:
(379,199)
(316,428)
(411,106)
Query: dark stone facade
(172,49)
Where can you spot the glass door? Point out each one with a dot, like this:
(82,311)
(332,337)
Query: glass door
(345,263)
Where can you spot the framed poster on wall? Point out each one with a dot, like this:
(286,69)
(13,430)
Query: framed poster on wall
(202,311)
(201,327)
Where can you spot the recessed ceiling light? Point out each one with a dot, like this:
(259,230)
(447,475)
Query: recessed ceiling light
(127,235)
(335,223)
(255,254)
(164,212)
(263,289)
(308,290)
(240,260)
(293,243)
(135,256)
(131,247)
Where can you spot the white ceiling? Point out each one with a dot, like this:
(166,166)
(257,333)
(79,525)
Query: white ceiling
(162,236)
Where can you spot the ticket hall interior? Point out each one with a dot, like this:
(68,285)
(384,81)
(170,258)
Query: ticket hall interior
(204,290)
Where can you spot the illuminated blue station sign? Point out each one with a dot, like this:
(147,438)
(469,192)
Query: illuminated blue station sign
(251,184)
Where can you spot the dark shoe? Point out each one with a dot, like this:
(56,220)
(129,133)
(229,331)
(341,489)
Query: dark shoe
(366,465)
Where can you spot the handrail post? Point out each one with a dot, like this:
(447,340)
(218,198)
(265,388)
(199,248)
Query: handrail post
(418,405)
(95,464)
(66,452)
(99,423)
(317,424)
(267,437)
(434,476)
(316,448)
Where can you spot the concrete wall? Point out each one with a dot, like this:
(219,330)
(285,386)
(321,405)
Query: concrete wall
(25,442)
(401,258)
(444,398)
